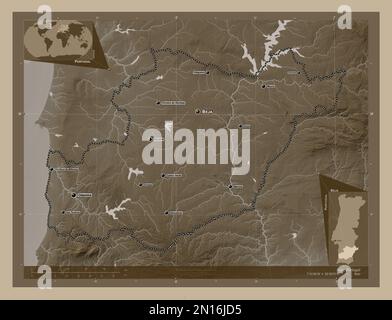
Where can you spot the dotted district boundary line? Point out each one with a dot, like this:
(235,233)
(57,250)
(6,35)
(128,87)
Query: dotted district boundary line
(318,111)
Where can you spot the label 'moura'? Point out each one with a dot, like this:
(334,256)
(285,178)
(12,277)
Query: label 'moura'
(184,152)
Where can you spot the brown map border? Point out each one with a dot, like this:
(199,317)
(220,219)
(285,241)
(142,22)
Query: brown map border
(25,276)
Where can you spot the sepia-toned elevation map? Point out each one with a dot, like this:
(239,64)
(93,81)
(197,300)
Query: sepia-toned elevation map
(195,149)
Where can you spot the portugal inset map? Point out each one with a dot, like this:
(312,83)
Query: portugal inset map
(196,149)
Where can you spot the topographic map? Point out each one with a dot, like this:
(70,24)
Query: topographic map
(201,142)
